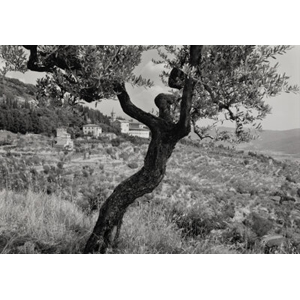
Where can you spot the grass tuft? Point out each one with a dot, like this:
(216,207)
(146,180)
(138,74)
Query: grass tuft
(39,223)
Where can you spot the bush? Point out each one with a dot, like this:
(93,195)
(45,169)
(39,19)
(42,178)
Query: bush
(124,155)
(117,142)
(85,173)
(252,154)
(109,151)
(290,179)
(60,165)
(258,224)
(133,165)
(246,162)
(46,169)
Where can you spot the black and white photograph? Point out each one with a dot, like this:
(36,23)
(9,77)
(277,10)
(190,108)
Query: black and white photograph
(149,150)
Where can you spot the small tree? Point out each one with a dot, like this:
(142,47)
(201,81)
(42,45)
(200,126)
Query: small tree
(209,81)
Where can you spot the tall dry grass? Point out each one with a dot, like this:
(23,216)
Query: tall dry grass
(38,223)
(34,223)
(148,230)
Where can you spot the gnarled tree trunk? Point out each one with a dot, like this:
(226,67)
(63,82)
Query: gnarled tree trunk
(165,135)
(139,184)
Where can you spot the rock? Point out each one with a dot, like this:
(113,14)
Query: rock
(296,238)
(233,190)
(246,194)
(273,241)
(276,198)
(287,198)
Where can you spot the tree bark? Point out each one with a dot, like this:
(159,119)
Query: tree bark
(139,184)
(165,135)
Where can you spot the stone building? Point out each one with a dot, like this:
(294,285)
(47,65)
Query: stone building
(138,129)
(92,129)
(130,127)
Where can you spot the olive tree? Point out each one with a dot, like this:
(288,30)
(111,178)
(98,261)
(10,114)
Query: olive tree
(206,82)
(232,83)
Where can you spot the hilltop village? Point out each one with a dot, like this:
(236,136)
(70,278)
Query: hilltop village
(132,128)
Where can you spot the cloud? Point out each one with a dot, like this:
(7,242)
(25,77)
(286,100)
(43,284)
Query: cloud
(152,71)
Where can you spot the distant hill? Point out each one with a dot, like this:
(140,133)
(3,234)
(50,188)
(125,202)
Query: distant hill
(16,89)
(285,141)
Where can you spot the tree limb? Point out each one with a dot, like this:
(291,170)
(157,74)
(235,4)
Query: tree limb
(184,123)
(33,61)
(133,111)
(199,133)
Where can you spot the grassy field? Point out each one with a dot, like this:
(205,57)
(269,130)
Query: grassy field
(212,199)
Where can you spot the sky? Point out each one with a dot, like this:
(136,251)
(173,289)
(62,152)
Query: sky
(285,107)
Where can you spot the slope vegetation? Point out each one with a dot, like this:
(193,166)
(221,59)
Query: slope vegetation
(212,200)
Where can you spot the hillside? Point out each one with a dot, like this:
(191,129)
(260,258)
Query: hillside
(21,113)
(275,142)
(16,89)
(287,141)
(212,199)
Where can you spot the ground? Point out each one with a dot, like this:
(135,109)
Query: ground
(213,199)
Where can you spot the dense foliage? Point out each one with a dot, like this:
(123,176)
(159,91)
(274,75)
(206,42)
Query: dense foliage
(20,112)
(20,117)
(232,83)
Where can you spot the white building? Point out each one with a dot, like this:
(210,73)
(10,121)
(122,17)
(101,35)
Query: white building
(130,128)
(138,129)
(92,129)
(122,125)
(63,138)
(109,135)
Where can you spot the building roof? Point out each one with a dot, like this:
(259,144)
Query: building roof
(138,129)
(134,126)
(121,121)
(91,125)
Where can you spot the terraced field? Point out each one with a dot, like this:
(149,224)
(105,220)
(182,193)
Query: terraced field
(212,199)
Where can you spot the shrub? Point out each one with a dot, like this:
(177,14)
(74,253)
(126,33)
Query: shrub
(290,179)
(261,226)
(60,165)
(124,155)
(117,142)
(133,165)
(253,154)
(35,160)
(240,235)
(93,198)
(46,169)
(109,151)
(246,162)
(85,173)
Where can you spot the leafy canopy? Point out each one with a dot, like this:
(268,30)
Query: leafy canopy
(232,83)
(12,58)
